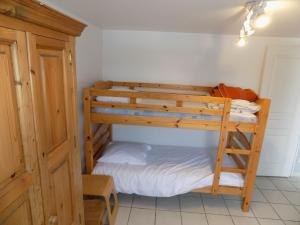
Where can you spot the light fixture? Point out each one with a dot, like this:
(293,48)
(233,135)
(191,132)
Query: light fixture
(241,42)
(262,21)
(257,17)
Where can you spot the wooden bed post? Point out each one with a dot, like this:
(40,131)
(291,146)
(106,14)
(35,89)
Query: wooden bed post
(88,133)
(257,142)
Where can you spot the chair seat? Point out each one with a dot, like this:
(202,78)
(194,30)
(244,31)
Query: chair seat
(99,185)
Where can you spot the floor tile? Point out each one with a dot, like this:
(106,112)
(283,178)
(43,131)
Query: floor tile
(232,197)
(278,178)
(296,184)
(123,216)
(205,195)
(215,206)
(263,210)
(191,194)
(143,202)
(297,207)
(264,183)
(293,197)
(287,212)
(283,185)
(219,220)
(270,222)
(291,223)
(167,218)
(244,221)
(294,179)
(258,196)
(125,200)
(141,216)
(191,204)
(193,219)
(275,196)
(171,203)
(235,209)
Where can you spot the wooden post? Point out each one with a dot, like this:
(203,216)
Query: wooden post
(88,133)
(257,142)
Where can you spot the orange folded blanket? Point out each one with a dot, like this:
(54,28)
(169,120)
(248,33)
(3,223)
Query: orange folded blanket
(234,92)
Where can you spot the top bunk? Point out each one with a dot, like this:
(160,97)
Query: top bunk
(170,105)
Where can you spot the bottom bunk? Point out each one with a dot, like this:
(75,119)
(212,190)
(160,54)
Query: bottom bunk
(163,171)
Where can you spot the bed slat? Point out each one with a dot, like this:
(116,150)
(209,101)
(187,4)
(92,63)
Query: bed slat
(233,170)
(100,130)
(101,141)
(159,108)
(162,86)
(156,121)
(157,95)
(237,151)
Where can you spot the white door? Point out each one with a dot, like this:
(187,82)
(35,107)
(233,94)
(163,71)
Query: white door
(281,83)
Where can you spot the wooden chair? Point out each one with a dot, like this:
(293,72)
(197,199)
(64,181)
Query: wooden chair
(95,209)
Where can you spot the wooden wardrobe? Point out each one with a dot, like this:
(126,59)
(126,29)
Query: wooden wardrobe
(40,172)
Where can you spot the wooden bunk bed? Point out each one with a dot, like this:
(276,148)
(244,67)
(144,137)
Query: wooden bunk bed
(242,141)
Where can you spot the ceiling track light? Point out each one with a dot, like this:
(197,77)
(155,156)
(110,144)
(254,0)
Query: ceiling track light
(257,18)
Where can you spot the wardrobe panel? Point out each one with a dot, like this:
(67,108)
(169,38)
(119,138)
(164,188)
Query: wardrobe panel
(62,193)
(11,160)
(52,75)
(20,216)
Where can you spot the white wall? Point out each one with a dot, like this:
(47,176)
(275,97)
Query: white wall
(182,58)
(88,47)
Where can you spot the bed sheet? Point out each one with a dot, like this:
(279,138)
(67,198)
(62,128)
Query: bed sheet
(169,171)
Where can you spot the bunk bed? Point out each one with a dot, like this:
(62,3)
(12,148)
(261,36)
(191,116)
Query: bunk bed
(179,106)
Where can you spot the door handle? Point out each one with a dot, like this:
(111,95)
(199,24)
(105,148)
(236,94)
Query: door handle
(53,220)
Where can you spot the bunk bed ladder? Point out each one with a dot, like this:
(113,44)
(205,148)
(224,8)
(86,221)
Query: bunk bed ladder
(222,145)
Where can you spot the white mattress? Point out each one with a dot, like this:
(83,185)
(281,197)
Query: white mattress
(169,171)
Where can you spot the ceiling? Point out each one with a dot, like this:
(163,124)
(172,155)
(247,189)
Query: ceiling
(201,16)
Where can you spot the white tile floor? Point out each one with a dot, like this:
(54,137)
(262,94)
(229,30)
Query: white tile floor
(276,201)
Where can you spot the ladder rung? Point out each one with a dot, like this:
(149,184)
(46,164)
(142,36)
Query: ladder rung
(237,151)
(233,170)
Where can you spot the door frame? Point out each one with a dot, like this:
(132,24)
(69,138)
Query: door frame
(265,91)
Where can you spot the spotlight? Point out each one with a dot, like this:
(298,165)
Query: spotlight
(257,17)
(261,21)
(242,42)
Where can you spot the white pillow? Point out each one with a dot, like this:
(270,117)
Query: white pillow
(126,152)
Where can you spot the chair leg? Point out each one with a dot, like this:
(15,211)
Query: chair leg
(109,214)
(116,204)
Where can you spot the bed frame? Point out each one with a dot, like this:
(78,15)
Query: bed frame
(242,141)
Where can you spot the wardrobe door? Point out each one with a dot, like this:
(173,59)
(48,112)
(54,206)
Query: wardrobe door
(20,196)
(52,83)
